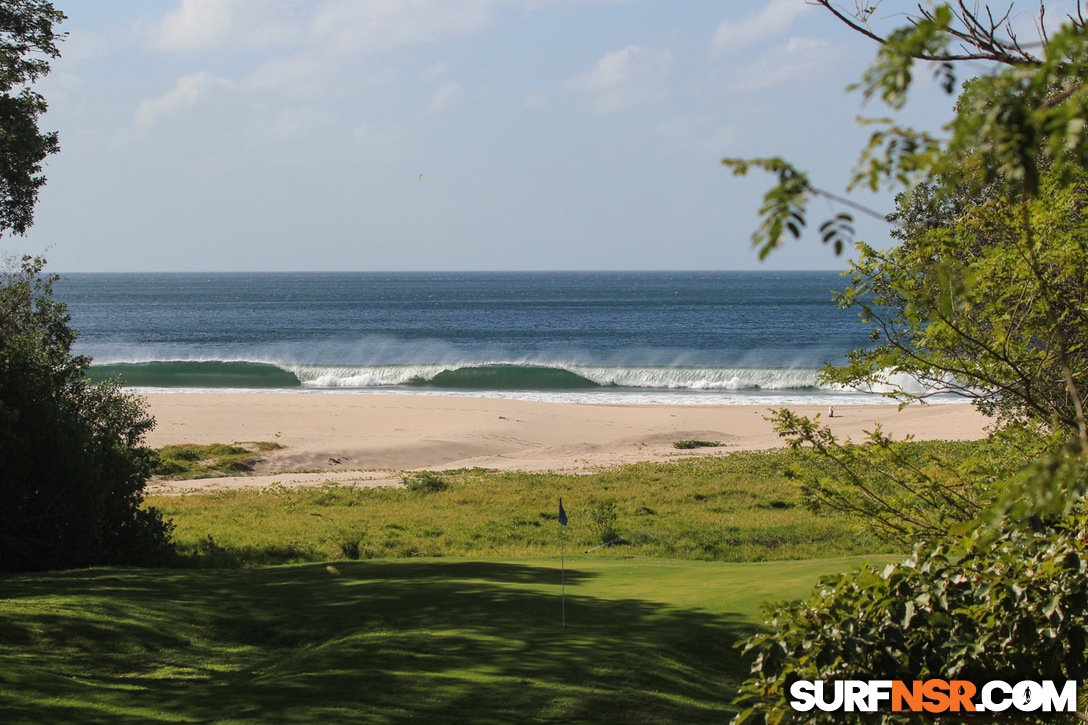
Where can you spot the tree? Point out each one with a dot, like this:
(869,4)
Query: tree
(70,455)
(1018,134)
(1005,601)
(901,494)
(986,296)
(973,303)
(27,42)
(1029,108)
(72,470)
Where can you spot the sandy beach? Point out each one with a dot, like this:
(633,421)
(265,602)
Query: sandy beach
(366,439)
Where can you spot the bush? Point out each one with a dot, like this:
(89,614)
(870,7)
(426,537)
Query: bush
(73,465)
(235,466)
(602,520)
(1005,601)
(180,453)
(190,460)
(427,481)
(168,467)
(684,445)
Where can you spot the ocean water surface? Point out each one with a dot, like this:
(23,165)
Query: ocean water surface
(600,337)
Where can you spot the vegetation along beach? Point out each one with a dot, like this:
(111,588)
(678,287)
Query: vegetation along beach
(426,361)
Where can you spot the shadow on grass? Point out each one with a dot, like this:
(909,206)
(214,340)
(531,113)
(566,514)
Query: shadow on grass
(207,554)
(387,641)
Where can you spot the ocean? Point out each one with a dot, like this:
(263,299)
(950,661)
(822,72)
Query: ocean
(588,337)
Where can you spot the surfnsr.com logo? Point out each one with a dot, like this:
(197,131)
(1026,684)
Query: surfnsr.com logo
(934,696)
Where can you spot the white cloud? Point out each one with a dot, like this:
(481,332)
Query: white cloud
(197,25)
(628,77)
(339,27)
(445,96)
(721,141)
(64,89)
(795,60)
(698,134)
(299,75)
(537,4)
(535,100)
(375,25)
(776,16)
(436,71)
(194,25)
(91,44)
(296,122)
(376,142)
(678,127)
(189,92)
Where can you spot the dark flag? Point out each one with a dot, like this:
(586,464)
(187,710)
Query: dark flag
(562,513)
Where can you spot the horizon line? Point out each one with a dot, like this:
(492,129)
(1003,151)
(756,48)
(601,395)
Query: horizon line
(451,271)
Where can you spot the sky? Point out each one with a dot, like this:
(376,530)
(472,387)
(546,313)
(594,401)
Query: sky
(444,135)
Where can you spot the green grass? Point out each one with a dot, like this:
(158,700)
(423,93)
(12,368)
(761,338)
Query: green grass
(734,508)
(424,481)
(474,636)
(429,640)
(684,445)
(189,460)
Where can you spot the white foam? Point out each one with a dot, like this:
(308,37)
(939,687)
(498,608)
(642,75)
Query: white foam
(701,378)
(656,377)
(892,380)
(362,376)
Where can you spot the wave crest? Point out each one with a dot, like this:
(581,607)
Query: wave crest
(466,376)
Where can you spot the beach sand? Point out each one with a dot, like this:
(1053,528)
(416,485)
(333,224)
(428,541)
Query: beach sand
(366,440)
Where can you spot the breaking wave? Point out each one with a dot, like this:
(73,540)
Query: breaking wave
(495,376)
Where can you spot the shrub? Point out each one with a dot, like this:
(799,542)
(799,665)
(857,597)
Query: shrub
(73,465)
(168,467)
(190,460)
(427,481)
(234,465)
(219,450)
(682,445)
(602,521)
(180,453)
(1005,601)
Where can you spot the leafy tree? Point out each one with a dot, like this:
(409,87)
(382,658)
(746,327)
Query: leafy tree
(27,42)
(947,612)
(984,296)
(72,470)
(1030,108)
(900,493)
(973,303)
(1013,164)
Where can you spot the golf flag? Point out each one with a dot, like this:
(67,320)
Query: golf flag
(562,513)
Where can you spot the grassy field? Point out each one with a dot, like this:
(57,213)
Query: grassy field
(736,508)
(446,640)
(452,612)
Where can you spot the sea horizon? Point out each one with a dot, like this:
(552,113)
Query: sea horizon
(631,337)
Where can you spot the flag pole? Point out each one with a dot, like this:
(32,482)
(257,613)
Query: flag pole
(562,562)
(563,577)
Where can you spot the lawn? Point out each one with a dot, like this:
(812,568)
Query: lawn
(432,640)
(386,605)
(735,508)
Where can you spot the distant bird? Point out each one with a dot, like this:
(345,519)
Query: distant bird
(421,177)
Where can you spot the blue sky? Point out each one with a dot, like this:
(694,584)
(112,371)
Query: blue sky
(224,135)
